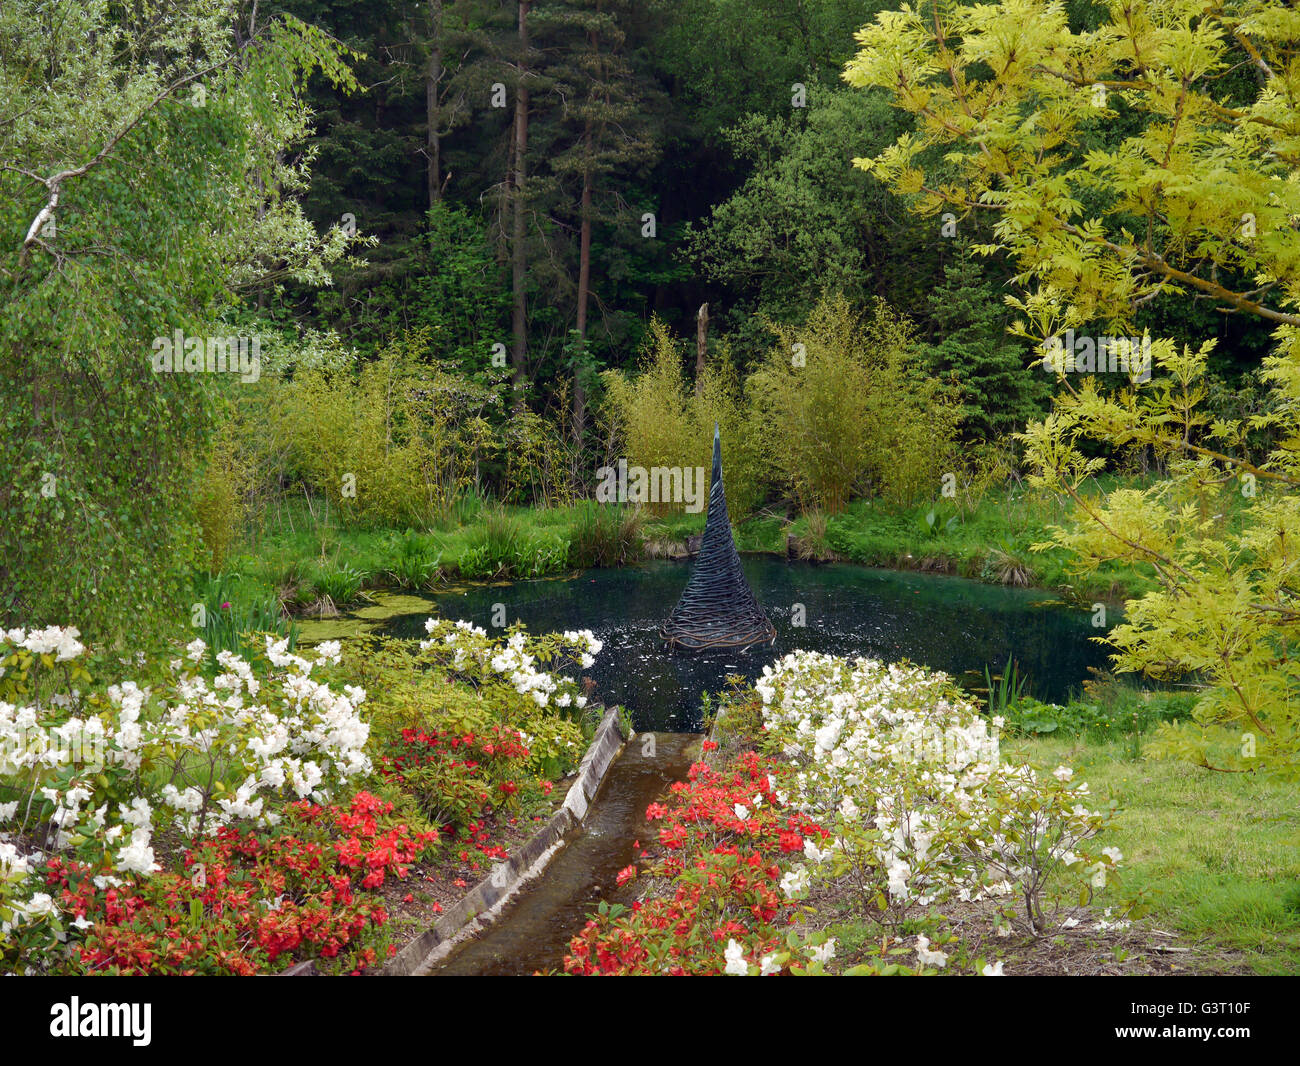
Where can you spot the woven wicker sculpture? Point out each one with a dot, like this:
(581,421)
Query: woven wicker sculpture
(718,609)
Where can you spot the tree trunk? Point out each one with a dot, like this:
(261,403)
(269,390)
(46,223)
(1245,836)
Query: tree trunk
(432,107)
(584,284)
(518,255)
(701,346)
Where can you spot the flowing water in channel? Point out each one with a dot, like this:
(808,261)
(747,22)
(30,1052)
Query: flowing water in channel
(534,932)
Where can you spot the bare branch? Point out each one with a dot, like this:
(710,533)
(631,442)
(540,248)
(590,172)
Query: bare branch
(54,183)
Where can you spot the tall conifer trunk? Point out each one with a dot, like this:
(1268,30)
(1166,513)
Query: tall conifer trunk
(432,107)
(518,253)
(584,285)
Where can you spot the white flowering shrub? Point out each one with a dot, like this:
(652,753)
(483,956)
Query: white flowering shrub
(516,677)
(909,778)
(97,773)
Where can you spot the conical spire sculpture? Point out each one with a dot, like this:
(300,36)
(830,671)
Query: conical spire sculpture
(718,609)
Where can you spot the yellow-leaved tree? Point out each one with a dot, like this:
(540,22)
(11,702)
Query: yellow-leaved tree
(1156,153)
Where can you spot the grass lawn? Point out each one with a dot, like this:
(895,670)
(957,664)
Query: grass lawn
(989,539)
(1217,854)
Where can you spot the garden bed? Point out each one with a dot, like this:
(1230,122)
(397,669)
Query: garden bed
(223,815)
(485,900)
(853,818)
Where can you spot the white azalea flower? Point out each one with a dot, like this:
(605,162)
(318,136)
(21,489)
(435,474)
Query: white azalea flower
(822,953)
(927,957)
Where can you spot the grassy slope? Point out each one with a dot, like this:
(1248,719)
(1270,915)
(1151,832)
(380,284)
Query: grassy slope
(984,542)
(1217,853)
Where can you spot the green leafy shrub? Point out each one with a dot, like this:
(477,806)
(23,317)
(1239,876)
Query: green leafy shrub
(933,524)
(415,563)
(539,459)
(844,410)
(462,683)
(1098,721)
(655,420)
(503,547)
(338,583)
(219,498)
(395,444)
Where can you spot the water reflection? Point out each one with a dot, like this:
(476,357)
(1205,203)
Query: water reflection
(947,623)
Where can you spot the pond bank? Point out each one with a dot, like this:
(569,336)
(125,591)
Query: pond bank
(312,569)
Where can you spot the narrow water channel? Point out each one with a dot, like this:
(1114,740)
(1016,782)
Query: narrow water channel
(533,933)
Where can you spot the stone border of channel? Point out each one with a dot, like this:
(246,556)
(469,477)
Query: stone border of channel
(485,901)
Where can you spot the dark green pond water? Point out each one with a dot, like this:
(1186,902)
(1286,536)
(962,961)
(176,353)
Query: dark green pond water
(948,623)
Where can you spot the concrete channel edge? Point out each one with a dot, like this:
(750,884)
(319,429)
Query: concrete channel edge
(485,901)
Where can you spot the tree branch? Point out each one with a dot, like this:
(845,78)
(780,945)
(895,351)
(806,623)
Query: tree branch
(54,183)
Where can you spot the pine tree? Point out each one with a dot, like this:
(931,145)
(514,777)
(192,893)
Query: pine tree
(999,393)
(606,117)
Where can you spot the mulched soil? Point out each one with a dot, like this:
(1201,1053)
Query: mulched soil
(1098,945)
(430,888)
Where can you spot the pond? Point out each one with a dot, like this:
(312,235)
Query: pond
(947,623)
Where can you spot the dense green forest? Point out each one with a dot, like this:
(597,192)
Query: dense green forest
(507,202)
(315,314)
(728,123)
(675,155)
(464,256)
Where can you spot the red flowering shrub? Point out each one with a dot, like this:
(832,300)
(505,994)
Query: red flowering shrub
(456,777)
(248,902)
(726,844)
